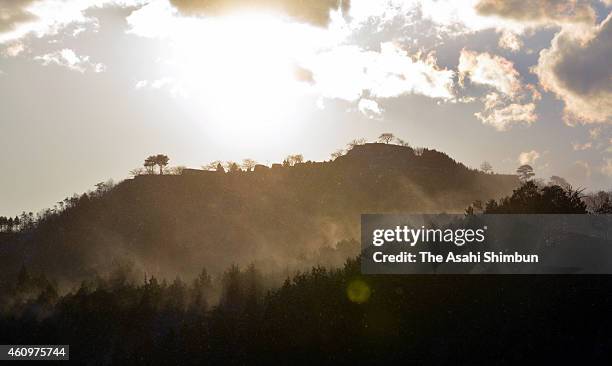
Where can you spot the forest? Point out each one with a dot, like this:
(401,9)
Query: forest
(285,217)
(321,311)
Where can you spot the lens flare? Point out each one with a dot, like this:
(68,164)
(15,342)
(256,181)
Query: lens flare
(358,291)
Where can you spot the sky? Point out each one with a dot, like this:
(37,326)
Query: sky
(89,88)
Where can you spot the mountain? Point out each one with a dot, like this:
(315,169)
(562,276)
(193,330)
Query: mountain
(279,218)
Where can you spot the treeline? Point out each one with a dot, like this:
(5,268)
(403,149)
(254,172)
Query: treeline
(320,316)
(28,222)
(277,218)
(541,199)
(9,224)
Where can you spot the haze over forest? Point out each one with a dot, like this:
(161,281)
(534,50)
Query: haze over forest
(283,218)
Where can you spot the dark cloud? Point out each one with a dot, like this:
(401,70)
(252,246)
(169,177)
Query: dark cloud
(578,68)
(310,11)
(587,69)
(539,11)
(13,12)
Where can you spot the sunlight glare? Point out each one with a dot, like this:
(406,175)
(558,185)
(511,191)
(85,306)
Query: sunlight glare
(241,70)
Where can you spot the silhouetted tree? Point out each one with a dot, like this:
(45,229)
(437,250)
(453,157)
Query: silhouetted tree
(212,165)
(136,172)
(232,167)
(297,159)
(336,154)
(355,142)
(292,160)
(525,172)
(386,137)
(600,202)
(248,164)
(474,208)
(103,187)
(402,142)
(161,161)
(150,164)
(559,181)
(202,287)
(232,298)
(530,198)
(486,167)
(176,170)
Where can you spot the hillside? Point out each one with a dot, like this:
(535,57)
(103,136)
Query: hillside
(279,218)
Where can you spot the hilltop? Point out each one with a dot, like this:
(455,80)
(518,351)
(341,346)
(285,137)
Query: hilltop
(279,218)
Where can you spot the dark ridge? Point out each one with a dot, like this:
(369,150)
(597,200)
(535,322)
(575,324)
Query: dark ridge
(277,218)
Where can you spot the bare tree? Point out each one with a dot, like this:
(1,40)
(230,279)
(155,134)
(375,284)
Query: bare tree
(212,165)
(292,160)
(103,187)
(298,159)
(232,167)
(525,172)
(248,164)
(486,167)
(336,154)
(418,151)
(176,170)
(402,142)
(137,171)
(386,137)
(355,142)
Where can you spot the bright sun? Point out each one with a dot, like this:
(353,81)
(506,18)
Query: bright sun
(241,69)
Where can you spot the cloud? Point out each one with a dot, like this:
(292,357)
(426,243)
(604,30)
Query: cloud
(594,133)
(511,103)
(582,147)
(14,49)
(13,13)
(369,108)
(347,72)
(606,169)
(69,59)
(454,18)
(492,70)
(19,18)
(577,69)
(315,12)
(540,11)
(528,157)
(511,114)
(510,41)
